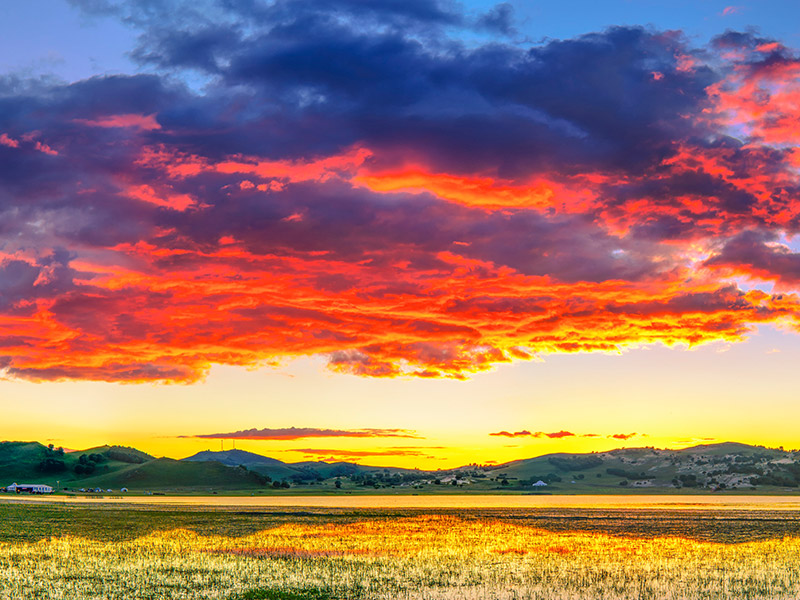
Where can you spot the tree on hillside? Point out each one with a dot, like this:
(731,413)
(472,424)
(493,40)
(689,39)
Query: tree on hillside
(52,461)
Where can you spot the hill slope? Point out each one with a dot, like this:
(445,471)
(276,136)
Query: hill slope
(20,461)
(271,467)
(299,471)
(728,465)
(166,473)
(114,467)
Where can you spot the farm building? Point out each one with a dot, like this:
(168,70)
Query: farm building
(30,488)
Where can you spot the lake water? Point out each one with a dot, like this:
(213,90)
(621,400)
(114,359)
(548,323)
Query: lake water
(683,502)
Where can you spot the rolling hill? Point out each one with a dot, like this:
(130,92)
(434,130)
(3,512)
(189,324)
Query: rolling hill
(271,467)
(299,471)
(166,473)
(728,465)
(715,467)
(115,467)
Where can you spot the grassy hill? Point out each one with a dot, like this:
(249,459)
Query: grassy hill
(166,473)
(709,467)
(728,465)
(122,454)
(115,467)
(20,460)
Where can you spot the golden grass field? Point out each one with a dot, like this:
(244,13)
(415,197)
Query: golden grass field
(425,557)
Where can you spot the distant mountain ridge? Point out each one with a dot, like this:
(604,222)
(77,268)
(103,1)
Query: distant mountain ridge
(271,467)
(274,468)
(721,466)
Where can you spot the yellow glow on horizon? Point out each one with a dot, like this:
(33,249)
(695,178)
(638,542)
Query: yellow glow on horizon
(670,398)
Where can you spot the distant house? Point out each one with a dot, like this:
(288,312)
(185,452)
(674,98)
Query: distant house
(30,488)
(540,483)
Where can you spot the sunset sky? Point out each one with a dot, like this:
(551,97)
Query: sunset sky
(399,232)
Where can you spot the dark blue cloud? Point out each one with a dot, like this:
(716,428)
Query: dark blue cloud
(191,175)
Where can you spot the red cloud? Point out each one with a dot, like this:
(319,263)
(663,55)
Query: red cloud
(7,141)
(296,433)
(537,434)
(557,434)
(522,433)
(172,231)
(622,436)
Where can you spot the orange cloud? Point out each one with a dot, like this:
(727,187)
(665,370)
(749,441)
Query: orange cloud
(483,192)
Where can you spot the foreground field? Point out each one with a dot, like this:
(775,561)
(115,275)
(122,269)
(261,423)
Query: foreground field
(128,554)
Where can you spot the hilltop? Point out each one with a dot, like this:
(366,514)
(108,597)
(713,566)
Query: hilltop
(709,467)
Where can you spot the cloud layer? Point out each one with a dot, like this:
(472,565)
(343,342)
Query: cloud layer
(353,180)
(296,433)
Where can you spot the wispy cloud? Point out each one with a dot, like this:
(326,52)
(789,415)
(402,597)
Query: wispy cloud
(537,434)
(296,433)
(333,454)
(559,434)
(693,440)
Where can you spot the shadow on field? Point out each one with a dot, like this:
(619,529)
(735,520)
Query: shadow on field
(24,521)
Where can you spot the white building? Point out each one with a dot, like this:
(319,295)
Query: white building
(540,483)
(30,488)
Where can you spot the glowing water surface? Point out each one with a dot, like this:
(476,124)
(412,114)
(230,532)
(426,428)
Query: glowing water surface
(720,502)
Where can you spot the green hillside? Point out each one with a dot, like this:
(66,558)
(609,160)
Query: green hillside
(20,461)
(114,467)
(166,473)
(123,454)
(709,467)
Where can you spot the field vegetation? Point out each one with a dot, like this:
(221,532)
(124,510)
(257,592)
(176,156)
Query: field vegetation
(75,552)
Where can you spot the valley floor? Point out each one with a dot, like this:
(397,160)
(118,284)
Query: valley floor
(150,552)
